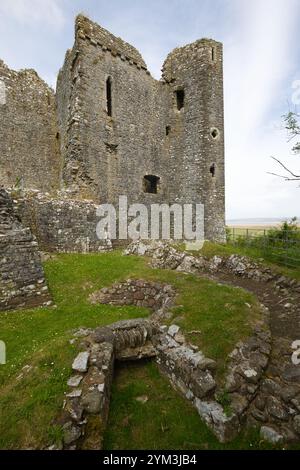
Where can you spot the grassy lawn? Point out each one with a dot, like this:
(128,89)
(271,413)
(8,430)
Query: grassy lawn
(39,338)
(165,421)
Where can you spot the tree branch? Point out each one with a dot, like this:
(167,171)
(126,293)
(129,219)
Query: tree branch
(286,178)
(286,169)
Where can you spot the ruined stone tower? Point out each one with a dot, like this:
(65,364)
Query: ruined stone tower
(121,132)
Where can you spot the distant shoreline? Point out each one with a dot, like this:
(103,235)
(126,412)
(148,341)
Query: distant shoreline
(260,222)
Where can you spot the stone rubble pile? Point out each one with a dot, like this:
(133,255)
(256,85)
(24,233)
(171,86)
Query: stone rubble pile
(165,256)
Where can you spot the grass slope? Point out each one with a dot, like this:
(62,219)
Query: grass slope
(40,338)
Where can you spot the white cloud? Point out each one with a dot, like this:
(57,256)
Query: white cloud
(261,55)
(258,69)
(29,12)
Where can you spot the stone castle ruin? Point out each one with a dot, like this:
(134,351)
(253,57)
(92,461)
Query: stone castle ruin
(111,129)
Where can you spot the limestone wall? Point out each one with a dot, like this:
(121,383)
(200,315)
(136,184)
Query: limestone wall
(22,281)
(61,224)
(112,124)
(107,152)
(28,131)
(105,156)
(197,130)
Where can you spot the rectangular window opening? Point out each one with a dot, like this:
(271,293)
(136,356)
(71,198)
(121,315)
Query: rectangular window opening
(179,99)
(150,184)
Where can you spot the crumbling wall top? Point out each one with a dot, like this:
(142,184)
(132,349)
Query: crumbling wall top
(85,28)
(188,53)
(27,76)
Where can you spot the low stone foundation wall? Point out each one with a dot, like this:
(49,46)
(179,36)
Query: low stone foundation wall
(165,256)
(90,386)
(154,295)
(187,368)
(263,385)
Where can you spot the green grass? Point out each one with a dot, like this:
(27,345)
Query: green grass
(165,421)
(40,337)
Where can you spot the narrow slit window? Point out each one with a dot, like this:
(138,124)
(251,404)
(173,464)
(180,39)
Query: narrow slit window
(168,130)
(108,97)
(179,99)
(213,54)
(213,170)
(150,184)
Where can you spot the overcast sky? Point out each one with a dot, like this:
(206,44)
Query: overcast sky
(261,65)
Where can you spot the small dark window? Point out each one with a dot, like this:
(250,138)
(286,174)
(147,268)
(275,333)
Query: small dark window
(212,170)
(168,130)
(150,183)
(213,54)
(108,97)
(214,133)
(179,99)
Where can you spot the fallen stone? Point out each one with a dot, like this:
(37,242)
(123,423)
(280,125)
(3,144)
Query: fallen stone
(202,383)
(275,409)
(249,373)
(288,393)
(74,394)
(74,408)
(270,435)
(71,433)
(292,374)
(179,338)
(81,362)
(296,424)
(207,364)
(92,401)
(75,380)
(142,399)
(224,427)
(82,332)
(173,330)
(258,415)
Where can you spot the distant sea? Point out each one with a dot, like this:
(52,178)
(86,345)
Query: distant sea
(258,221)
